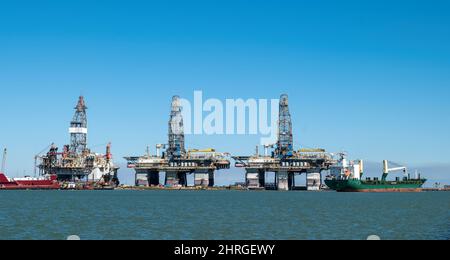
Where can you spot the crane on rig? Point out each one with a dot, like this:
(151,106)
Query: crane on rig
(387,170)
(38,155)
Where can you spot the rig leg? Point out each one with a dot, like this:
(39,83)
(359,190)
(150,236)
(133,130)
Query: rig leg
(262,179)
(153,178)
(211,179)
(141,179)
(173,178)
(204,178)
(255,178)
(313,180)
(282,180)
(182,179)
(291,181)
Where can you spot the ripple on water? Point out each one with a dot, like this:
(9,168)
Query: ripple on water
(223,215)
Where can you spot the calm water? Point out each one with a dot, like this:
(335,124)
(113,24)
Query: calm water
(222,215)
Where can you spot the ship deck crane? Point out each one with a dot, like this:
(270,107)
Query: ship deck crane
(387,170)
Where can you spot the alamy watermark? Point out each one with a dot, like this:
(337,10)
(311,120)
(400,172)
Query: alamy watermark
(231,117)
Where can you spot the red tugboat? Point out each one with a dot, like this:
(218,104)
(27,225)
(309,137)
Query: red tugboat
(27,183)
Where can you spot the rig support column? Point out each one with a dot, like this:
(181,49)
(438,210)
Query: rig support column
(255,178)
(282,180)
(204,178)
(313,180)
(145,178)
(174,178)
(291,180)
(153,178)
(141,179)
(211,179)
(262,179)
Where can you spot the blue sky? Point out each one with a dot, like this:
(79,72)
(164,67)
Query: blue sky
(368,77)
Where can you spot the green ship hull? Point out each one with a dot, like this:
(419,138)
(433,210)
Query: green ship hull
(355,185)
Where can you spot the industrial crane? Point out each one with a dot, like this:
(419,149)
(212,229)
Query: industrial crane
(2,170)
(36,157)
(387,170)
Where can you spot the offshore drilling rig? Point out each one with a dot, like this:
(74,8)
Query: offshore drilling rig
(175,161)
(284,161)
(76,164)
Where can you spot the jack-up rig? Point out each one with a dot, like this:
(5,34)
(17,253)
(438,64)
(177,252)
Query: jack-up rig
(284,161)
(175,161)
(76,164)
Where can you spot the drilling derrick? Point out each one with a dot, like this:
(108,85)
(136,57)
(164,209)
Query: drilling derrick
(176,130)
(76,166)
(176,162)
(285,162)
(78,129)
(285,144)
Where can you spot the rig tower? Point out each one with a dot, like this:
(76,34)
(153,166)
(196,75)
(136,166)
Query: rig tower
(78,128)
(285,144)
(176,149)
(76,165)
(176,161)
(176,130)
(284,161)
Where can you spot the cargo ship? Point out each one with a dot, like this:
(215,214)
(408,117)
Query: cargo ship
(29,183)
(48,182)
(347,176)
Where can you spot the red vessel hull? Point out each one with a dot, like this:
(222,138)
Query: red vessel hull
(32,184)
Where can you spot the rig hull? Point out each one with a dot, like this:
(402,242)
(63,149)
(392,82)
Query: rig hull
(380,186)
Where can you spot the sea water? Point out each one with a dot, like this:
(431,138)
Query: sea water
(235,215)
